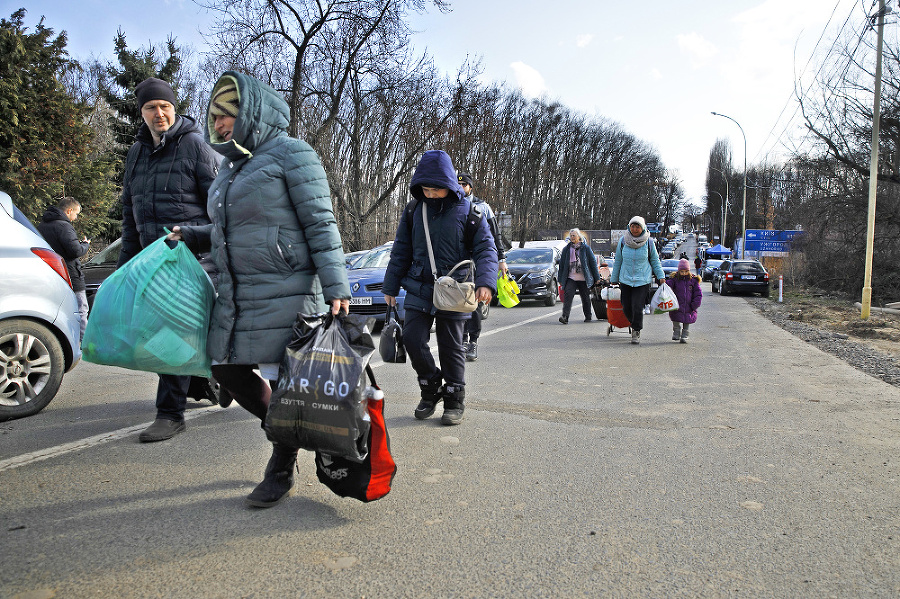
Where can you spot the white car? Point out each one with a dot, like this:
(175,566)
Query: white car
(39,321)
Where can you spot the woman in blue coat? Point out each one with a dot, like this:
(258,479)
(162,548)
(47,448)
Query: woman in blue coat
(636,264)
(457,233)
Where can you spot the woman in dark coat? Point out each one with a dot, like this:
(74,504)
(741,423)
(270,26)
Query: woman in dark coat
(578,271)
(275,244)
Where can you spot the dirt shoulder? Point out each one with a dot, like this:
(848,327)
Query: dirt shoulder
(833,324)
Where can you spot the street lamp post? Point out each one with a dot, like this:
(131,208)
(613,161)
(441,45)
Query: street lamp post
(744,211)
(724,202)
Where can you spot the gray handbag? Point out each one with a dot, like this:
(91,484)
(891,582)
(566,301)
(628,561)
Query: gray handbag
(449,294)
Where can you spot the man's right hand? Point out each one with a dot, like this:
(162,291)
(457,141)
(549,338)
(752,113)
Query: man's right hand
(175,235)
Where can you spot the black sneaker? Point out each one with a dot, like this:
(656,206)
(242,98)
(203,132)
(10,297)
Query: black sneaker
(564,320)
(472,352)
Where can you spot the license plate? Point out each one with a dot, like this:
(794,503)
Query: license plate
(360,301)
(748,277)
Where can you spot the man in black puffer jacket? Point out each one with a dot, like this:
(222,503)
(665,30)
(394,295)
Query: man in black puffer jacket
(56,228)
(168,172)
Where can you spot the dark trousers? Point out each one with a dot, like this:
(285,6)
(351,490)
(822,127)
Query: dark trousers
(569,294)
(449,332)
(473,327)
(633,301)
(171,397)
(246,387)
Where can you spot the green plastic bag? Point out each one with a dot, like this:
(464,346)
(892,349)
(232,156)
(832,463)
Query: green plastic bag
(153,314)
(507,291)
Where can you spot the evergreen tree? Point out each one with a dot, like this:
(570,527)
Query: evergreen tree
(45,143)
(135,66)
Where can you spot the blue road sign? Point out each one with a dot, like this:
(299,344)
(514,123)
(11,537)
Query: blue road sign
(766,240)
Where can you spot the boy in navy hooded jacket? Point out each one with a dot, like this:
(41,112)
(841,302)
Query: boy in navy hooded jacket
(435,184)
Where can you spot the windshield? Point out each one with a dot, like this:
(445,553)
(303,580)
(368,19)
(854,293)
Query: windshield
(377,258)
(529,256)
(713,263)
(747,267)
(108,255)
(670,263)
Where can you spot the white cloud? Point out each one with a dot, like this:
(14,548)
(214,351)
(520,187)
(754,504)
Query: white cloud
(528,79)
(583,40)
(656,74)
(700,50)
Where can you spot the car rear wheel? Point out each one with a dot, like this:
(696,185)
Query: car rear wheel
(485,309)
(722,289)
(554,290)
(31,368)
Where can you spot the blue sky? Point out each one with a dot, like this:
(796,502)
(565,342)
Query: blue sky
(657,68)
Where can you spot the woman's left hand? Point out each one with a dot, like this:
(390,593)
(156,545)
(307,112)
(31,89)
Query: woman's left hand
(175,235)
(340,304)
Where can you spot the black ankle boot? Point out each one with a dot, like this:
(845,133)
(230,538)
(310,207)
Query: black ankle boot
(278,480)
(431,395)
(453,404)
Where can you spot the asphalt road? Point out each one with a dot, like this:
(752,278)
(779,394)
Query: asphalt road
(743,464)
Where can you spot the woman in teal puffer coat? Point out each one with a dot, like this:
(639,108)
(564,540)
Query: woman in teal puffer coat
(275,243)
(634,268)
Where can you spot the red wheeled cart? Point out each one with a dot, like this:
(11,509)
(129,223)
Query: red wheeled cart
(614,312)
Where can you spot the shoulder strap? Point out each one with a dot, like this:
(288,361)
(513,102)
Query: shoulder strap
(473,223)
(411,207)
(428,241)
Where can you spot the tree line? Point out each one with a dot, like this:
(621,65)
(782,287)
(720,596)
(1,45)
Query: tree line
(359,93)
(823,185)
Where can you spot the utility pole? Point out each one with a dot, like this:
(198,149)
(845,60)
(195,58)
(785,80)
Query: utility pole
(873,168)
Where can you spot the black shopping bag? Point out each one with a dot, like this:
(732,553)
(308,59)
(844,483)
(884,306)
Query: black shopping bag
(390,346)
(318,403)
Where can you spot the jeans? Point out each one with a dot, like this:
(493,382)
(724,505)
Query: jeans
(473,327)
(449,333)
(171,397)
(81,296)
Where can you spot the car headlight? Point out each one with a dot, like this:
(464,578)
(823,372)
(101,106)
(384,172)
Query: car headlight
(540,274)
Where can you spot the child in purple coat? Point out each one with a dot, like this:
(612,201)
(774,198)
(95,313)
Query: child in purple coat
(687,289)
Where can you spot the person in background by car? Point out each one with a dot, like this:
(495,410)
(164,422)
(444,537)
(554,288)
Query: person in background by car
(687,289)
(634,268)
(279,204)
(434,184)
(697,264)
(473,325)
(578,269)
(168,171)
(57,229)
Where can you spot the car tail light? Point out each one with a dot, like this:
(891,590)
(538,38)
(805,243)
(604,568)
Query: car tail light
(766,277)
(55,261)
(729,276)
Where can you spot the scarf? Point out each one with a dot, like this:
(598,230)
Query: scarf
(636,242)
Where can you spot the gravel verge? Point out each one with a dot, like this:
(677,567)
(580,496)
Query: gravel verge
(862,357)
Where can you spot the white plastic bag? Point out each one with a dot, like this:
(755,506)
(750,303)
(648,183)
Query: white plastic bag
(664,300)
(611,293)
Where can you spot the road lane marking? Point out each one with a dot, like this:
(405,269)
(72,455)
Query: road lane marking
(52,452)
